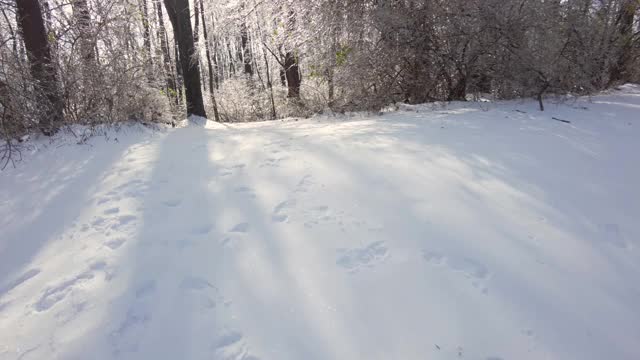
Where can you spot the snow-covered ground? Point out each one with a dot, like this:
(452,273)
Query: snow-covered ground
(460,231)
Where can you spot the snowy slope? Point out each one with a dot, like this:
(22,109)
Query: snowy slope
(461,231)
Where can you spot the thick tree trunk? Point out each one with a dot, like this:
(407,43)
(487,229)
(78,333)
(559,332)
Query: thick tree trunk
(83,18)
(178,11)
(292,73)
(209,64)
(41,64)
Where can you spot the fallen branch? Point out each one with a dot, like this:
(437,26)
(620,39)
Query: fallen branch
(561,120)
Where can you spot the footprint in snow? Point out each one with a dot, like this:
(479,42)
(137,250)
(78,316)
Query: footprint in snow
(198,293)
(369,256)
(54,294)
(113,244)
(247,191)
(230,345)
(112,211)
(145,289)
(433,258)
(125,338)
(202,229)
(241,228)
(472,269)
(195,283)
(172,203)
(280,211)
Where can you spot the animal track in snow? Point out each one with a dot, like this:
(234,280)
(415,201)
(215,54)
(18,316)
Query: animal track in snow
(198,291)
(304,184)
(202,229)
(241,228)
(279,212)
(146,288)
(57,293)
(318,215)
(433,258)
(125,338)
(470,268)
(368,256)
(195,283)
(126,219)
(231,346)
(247,191)
(111,211)
(172,203)
(104,224)
(274,161)
(115,243)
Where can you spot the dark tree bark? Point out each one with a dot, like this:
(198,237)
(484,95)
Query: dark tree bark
(232,67)
(291,67)
(196,39)
(179,78)
(292,73)
(196,26)
(83,18)
(178,11)
(209,64)
(620,69)
(269,84)
(246,50)
(41,64)
(458,92)
(164,45)
(146,34)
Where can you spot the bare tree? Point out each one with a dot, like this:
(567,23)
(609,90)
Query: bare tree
(178,11)
(41,64)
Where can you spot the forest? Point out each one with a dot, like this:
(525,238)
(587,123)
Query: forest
(319,179)
(93,62)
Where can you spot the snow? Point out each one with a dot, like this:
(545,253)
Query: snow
(447,231)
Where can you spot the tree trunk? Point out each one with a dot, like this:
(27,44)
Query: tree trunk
(619,70)
(232,67)
(164,45)
(41,64)
(291,68)
(269,84)
(196,39)
(459,91)
(246,50)
(209,64)
(146,35)
(292,73)
(180,17)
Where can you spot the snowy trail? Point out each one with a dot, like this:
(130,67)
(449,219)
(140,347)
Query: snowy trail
(441,233)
